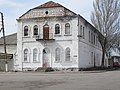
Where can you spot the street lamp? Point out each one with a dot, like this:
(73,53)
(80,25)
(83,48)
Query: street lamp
(2,29)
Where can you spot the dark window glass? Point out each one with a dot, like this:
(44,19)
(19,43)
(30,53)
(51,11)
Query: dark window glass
(26,31)
(57,29)
(35,30)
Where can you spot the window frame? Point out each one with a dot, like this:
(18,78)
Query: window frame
(66,30)
(89,36)
(67,54)
(57,55)
(34,28)
(57,29)
(83,33)
(92,37)
(35,54)
(24,31)
(26,55)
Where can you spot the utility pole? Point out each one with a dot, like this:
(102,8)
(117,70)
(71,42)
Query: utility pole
(6,63)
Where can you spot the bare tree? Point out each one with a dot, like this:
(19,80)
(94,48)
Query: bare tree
(106,18)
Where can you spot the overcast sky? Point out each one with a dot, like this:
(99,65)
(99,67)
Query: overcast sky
(12,9)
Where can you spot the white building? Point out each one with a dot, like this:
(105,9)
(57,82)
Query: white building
(51,35)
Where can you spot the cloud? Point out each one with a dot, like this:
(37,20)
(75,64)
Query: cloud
(10,3)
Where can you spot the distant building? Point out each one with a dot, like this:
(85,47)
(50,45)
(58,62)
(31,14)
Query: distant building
(114,59)
(11,48)
(51,35)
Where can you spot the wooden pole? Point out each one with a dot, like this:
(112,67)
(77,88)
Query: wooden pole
(6,63)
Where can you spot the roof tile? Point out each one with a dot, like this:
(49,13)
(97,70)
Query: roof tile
(48,5)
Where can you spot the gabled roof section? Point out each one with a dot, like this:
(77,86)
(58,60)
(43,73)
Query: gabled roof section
(48,5)
(10,39)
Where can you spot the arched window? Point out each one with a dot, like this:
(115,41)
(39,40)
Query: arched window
(57,29)
(25,55)
(35,55)
(57,54)
(35,32)
(67,28)
(67,54)
(26,31)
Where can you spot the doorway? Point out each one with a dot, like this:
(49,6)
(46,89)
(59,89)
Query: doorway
(46,58)
(46,32)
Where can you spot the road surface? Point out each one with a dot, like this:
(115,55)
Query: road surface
(60,81)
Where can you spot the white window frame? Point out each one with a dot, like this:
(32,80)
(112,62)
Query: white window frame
(57,26)
(69,26)
(26,55)
(67,54)
(57,54)
(27,31)
(35,55)
(34,30)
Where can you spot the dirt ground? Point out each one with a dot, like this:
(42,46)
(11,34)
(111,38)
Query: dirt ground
(60,81)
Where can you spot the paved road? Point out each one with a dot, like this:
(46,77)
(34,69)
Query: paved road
(60,81)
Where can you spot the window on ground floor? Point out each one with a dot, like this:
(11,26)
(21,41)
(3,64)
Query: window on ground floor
(67,54)
(26,55)
(35,55)
(57,54)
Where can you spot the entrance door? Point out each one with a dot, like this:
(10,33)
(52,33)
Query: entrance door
(46,32)
(46,57)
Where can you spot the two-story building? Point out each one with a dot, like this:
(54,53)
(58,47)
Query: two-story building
(51,35)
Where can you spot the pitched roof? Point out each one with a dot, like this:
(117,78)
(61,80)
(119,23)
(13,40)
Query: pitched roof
(10,39)
(48,4)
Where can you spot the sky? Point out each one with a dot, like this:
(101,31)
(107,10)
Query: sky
(13,9)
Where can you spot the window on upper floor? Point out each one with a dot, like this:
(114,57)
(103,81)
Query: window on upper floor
(35,55)
(26,31)
(89,36)
(35,30)
(57,54)
(96,41)
(26,55)
(57,29)
(92,37)
(81,30)
(67,54)
(67,29)
(83,33)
